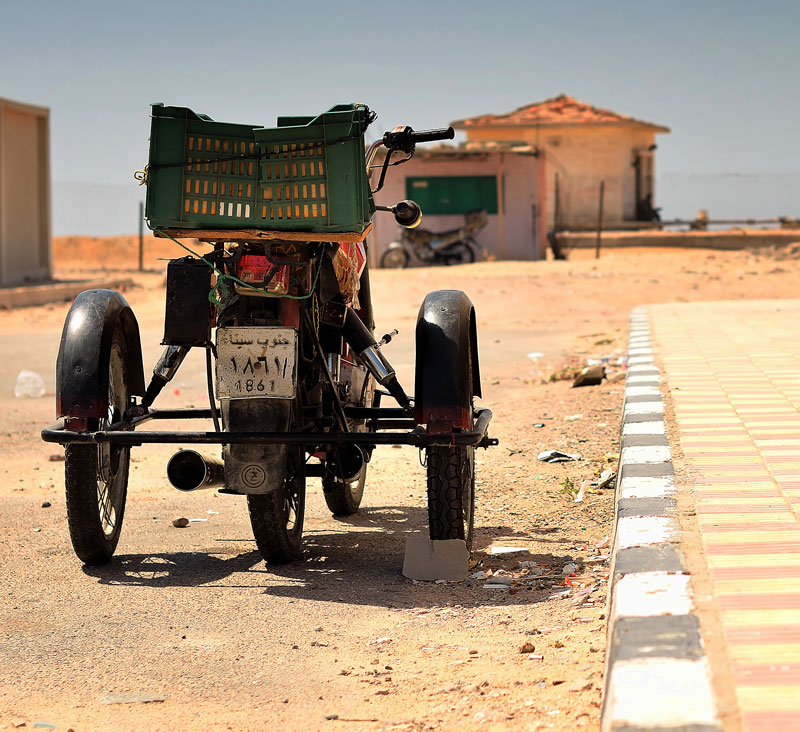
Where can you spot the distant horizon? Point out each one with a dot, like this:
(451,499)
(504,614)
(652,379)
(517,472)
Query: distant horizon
(679,195)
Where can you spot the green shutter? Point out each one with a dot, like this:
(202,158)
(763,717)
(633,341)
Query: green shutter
(439,195)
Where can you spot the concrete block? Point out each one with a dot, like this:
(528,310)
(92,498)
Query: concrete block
(447,559)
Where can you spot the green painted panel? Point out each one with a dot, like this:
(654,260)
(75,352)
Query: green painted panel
(438,195)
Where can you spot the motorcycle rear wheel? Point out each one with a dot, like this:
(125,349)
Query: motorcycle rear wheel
(451,488)
(277,518)
(394,258)
(461,253)
(96,476)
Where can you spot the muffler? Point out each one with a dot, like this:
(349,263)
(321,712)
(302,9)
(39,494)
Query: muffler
(346,462)
(188,470)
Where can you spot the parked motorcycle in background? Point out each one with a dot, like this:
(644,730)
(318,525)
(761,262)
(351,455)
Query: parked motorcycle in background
(457,246)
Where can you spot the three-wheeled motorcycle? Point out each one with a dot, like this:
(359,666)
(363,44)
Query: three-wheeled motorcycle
(297,382)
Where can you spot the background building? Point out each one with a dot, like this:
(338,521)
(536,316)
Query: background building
(506,181)
(583,145)
(25,252)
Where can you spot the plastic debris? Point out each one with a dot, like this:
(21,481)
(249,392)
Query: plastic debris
(379,641)
(573,417)
(570,568)
(45,725)
(604,543)
(57,457)
(180,523)
(197,520)
(538,425)
(29,385)
(535,355)
(581,494)
(606,479)
(508,550)
(557,456)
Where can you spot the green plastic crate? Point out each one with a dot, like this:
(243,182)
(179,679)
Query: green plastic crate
(306,174)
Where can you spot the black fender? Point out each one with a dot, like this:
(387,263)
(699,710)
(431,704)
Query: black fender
(447,370)
(85,350)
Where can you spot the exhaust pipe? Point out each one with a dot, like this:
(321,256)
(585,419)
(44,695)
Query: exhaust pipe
(188,470)
(346,462)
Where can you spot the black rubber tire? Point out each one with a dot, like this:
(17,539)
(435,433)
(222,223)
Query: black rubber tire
(343,498)
(451,492)
(460,254)
(277,518)
(451,486)
(395,258)
(96,476)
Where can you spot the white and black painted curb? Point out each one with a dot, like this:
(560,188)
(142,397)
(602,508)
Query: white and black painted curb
(657,673)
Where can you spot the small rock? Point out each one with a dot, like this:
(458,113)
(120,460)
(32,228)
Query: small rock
(590,376)
(17,722)
(581,684)
(330,716)
(321,644)
(125,698)
(57,457)
(46,504)
(180,523)
(527,647)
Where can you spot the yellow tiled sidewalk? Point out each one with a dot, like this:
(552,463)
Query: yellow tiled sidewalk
(732,370)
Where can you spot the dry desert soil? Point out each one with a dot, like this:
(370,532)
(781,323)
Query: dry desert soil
(196,632)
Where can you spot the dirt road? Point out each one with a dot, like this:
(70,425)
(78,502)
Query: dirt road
(193,621)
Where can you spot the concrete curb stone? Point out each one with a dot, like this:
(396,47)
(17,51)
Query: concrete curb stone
(657,673)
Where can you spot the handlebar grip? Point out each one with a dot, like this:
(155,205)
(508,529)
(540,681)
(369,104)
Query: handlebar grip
(430,135)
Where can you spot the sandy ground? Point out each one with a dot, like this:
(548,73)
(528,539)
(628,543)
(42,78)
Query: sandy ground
(341,641)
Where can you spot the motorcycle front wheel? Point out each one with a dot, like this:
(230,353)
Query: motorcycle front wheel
(394,258)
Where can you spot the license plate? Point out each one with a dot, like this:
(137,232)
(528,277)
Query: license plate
(256,362)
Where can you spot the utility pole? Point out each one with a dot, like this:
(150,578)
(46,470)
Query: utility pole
(599,219)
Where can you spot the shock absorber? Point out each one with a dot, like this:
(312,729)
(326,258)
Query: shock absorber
(363,343)
(163,372)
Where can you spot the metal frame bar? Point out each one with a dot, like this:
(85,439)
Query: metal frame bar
(123,433)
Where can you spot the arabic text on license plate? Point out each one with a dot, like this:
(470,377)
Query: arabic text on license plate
(256,362)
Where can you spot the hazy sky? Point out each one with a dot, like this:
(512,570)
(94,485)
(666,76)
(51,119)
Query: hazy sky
(722,74)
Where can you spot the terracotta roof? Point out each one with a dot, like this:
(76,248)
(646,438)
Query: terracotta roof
(557,111)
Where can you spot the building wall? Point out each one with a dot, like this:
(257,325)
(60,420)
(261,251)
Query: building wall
(25,253)
(583,157)
(517,231)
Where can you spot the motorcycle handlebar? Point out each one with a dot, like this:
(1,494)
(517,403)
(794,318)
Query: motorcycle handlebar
(404,138)
(447,133)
